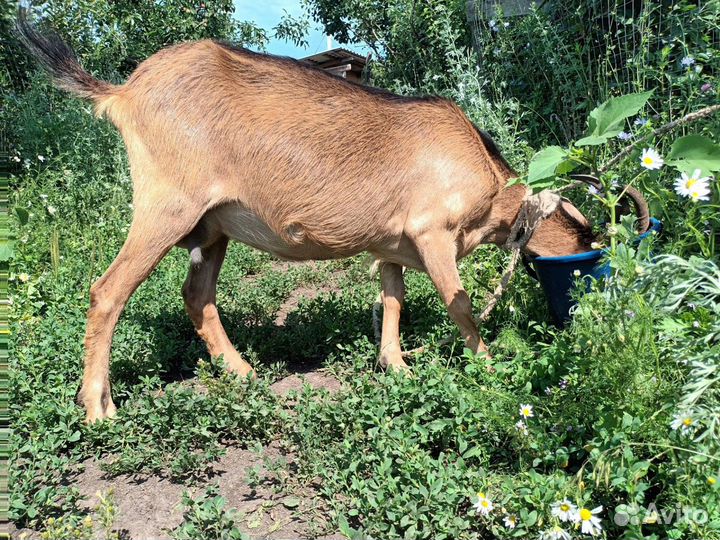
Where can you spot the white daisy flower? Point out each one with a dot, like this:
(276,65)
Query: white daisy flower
(687,61)
(563,510)
(526,411)
(24,277)
(588,520)
(651,160)
(521,427)
(700,194)
(555,533)
(483,505)
(510,521)
(694,186)
(684,422)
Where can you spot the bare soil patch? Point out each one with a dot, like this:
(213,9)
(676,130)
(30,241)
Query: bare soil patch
(316,379)
(150,507)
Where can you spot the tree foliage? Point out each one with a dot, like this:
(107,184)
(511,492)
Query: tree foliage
(113,36)
(405,35)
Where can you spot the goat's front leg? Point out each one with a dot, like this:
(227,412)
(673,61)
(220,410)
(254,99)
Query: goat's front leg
(393,295)
(437,252)
(149,239)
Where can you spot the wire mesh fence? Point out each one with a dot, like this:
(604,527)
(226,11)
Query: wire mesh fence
(576,54)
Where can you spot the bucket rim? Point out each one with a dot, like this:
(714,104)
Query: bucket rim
(577,257)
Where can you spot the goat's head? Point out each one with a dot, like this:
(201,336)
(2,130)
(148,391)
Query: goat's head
(567,231)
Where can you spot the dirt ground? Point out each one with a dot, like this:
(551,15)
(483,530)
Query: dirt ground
(149,507)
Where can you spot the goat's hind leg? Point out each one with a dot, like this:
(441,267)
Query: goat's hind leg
(150,237)
(199,293)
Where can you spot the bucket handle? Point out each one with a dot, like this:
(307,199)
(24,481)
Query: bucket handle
(528,267)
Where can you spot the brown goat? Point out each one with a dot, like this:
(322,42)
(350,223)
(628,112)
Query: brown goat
(226,143)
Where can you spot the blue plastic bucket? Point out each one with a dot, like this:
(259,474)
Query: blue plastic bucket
(557,275)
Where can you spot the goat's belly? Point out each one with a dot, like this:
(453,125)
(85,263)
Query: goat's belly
(239,223)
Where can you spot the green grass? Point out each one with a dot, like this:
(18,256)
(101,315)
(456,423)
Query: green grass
(392,456)
(398,456)
(395,456)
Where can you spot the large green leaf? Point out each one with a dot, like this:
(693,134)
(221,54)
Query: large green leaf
(606,120)
(6,250)
(23,215)
(695,152)
(594,140)
(545,163)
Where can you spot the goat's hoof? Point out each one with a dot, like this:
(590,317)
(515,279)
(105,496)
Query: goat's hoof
(401,368)
(395,364)
(241,368)
(488,366)
(393,360)
(98,413)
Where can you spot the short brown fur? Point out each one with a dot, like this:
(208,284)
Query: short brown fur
(224,142)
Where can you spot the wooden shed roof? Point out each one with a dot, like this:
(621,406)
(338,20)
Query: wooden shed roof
(338,54)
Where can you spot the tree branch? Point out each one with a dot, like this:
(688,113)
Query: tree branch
(662,130)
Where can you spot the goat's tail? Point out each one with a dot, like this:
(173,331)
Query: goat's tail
(59,60)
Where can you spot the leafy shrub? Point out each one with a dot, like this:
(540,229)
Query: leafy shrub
(624,400)
(206,517)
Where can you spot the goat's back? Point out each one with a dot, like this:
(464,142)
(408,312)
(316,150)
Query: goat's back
(298,146)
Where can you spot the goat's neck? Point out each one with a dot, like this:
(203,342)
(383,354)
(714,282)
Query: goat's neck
(495,226)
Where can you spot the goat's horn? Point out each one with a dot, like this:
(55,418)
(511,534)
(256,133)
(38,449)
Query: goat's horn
(641,206)
(588,179)
(642,210)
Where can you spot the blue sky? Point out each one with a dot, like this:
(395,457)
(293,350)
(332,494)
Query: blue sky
(267,13)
